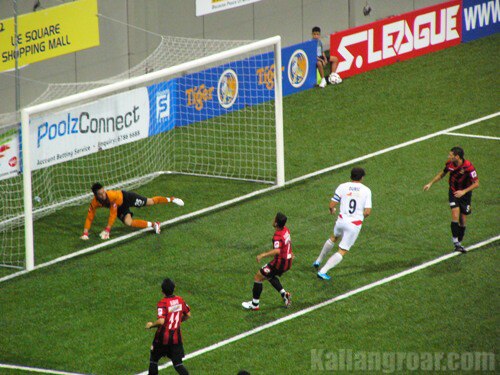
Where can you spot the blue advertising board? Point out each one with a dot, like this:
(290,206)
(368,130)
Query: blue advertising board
(480,18)
(230,87)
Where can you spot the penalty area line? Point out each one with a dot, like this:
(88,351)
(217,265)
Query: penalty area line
(473,136)
(297,314)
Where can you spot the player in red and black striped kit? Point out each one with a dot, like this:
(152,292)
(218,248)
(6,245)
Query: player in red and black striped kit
(282,262)
(463,179)
(172,310)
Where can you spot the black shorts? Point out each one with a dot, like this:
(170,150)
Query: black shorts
(464,202)
(130,199)
(269,271)
(174,352)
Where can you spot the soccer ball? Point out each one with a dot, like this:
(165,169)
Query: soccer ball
(334,79)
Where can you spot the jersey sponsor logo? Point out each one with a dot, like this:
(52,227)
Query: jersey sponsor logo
(163,105)
(174,308)
(227,88)
(298,67)
(198,95)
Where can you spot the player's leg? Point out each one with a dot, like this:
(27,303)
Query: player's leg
(319,65)
(164,200)
(351,233)
(257,289)
(455,228)
(455,217)
(176,353)
(328,245)
(276,283)
(127,219)
(465,210)
(154,356)
(334,63)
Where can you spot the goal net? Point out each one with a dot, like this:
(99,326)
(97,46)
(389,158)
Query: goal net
(213,117)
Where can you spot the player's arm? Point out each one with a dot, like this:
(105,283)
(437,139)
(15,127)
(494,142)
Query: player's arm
(115,200)
(90,217)
(436,178)
(186,316)
(333,206)
(460,193)
(367,212)
(269,253)
(159,322)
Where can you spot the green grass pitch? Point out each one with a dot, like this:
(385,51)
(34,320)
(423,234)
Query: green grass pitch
(87,315)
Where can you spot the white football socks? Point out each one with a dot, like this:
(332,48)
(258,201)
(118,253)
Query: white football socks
(327,247)
(332,262)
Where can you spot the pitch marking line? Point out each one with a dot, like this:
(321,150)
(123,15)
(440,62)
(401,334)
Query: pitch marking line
(329,302)
(35,369)
(250,195)
(474,136)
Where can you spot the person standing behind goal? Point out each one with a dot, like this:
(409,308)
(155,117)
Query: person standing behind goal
(355,205)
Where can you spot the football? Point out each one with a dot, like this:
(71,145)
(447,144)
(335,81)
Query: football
(334,79)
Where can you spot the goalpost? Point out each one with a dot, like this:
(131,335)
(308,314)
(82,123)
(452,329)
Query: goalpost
(208,117)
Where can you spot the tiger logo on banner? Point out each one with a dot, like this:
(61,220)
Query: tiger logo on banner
(298,67)
(227,89)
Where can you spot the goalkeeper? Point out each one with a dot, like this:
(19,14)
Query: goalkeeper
(119,203)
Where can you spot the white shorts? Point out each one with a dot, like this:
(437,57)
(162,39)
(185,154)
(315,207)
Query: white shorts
(348,231)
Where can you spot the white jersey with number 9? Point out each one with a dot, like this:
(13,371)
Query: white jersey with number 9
(354,197)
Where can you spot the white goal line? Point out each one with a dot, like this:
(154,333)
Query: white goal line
(250,195)
(305,311)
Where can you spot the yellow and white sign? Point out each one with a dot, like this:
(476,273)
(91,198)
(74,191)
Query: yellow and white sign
(49,33)
(204,7)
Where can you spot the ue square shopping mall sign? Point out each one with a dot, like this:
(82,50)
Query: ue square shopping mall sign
(49,33)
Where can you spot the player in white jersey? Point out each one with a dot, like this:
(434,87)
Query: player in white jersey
(355,205)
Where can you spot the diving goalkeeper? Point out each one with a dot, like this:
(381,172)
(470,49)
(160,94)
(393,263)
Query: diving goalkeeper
(119,203)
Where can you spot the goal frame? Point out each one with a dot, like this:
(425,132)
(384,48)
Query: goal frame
(27,112)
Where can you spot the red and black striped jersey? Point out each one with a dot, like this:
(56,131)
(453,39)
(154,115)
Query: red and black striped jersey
(461,177)
(172,309)
(282,241)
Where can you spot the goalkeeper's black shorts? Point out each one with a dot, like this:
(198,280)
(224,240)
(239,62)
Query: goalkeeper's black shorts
(130,199)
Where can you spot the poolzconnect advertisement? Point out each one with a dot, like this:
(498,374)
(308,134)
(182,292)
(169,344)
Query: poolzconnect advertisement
(397,38)
(104,124)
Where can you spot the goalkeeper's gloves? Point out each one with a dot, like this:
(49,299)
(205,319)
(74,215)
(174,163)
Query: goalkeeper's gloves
(105,233)
(177,201)
(85,235)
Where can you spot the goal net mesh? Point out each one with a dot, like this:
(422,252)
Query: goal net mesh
(223,126)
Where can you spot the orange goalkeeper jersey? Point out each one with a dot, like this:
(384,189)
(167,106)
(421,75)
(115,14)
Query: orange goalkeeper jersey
(115,200)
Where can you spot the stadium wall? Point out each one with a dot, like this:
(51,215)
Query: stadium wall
(123,47)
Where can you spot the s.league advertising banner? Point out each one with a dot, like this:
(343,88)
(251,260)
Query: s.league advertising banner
(397,38)
(481,18)
(48,33)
